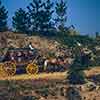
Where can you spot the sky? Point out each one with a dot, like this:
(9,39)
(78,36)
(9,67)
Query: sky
(83,14)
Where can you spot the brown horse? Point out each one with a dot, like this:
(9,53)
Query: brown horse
(54,62)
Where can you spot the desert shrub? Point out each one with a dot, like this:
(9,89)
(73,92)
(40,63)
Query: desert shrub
(13,87)
(76,74)
(30,98)
(4,82)
(73,94)
(50,54)
(43,92)
(76,77)
(96,62)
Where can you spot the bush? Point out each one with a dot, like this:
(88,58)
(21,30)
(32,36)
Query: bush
(76,77)
(73,94)
(30,98)
(43,92)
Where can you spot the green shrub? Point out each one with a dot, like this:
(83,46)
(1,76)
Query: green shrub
(73,94)
(43,92)
(76,74)
(30,98)
(76,77)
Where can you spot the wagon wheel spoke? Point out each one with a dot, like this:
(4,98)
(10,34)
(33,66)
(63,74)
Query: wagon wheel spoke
(9,68)
(32,69)
(2,73)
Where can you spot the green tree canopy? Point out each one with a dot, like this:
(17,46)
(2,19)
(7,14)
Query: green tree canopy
(21,21)
(61,12)
(40,13)
(3,18)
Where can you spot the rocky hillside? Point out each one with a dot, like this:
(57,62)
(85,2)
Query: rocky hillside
(17,40)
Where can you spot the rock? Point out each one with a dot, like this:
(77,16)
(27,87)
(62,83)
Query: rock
(97,88)
(82,88)
(91,86)
(30,98)
(63,91)
(73,94)
(3,41)
(42,98)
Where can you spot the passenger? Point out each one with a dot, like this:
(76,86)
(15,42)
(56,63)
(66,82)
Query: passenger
(19,55)
(30,46)
(12,56)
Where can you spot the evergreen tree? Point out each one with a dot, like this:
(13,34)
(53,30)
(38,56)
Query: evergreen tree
(97,34)
(61,12)
(3,18)
(76,74)
(46,23)
(21,21)
(34,8)
(40,14)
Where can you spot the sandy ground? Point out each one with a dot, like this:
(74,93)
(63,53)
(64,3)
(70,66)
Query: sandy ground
(93,71)
(32,85)
(55,75)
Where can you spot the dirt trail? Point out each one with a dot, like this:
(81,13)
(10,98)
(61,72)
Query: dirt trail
(56,75)
(50,76)
(93,71)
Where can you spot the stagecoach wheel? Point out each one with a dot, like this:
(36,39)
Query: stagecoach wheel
(1,68)
(32,69)
(9,68)
(2,73)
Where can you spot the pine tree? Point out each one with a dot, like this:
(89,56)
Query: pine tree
(61,12)
(21,21)
(46,23)
(97,34)
(76,73)
(40,14)
(3,18)
(34,12)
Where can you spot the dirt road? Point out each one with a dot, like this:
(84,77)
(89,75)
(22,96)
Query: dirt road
(55,75)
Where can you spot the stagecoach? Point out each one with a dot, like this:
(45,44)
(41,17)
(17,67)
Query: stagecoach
(29,60)
(18,60)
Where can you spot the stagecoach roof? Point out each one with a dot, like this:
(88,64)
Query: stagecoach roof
(19,49)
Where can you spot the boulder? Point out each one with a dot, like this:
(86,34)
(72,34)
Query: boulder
(73,93)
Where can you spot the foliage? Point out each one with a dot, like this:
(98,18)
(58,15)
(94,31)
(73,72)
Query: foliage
(3,18)
(29,98)
(73,94)
(71,32)
(51,55)
(21,21)
(72,40)
(61,14)
(76,74)
(95,58)
(97,34)
(43,92)
(76,77)
(40,13)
